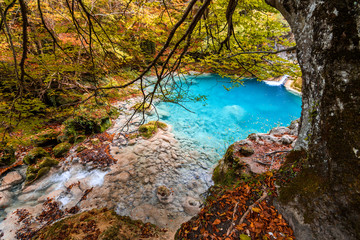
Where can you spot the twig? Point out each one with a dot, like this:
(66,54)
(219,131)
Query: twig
(231,228)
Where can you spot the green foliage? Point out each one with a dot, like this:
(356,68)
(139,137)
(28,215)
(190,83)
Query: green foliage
(34,155)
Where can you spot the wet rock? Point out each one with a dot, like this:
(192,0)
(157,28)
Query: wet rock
(5,199)
(192,206)
(149,213)
(54,194)
(61,149)
(34,155)
(12,178)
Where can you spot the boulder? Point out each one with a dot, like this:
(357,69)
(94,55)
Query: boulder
(61,149)
(34,155)
(7,155)
(279,131)
(45,138)
(12,178)
(48,162)
(5,199)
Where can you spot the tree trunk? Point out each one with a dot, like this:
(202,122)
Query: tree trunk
(327,36)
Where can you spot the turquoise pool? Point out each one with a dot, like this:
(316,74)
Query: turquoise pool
(228,116)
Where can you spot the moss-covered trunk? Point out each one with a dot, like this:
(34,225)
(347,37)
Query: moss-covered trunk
(327,35)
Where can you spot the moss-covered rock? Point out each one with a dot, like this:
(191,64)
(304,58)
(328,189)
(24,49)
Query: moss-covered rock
(141,106)
(42,172)
(48,162)
(229,168)
(31,177)
(7,155)
(149,129)
(34,155)
(102,224)
(61,149)
(45,138)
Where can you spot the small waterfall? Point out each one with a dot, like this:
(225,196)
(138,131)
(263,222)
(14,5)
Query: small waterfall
(277,83)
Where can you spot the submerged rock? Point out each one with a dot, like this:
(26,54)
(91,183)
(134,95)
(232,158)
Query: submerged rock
(5,199)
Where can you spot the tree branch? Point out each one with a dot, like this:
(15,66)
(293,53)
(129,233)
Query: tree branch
(263,52)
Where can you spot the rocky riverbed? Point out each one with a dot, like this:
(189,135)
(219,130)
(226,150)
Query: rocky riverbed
(159,180)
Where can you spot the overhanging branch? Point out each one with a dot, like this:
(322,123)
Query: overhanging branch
(263,52)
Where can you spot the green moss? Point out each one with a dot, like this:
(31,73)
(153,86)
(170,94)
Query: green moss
(307,186)
(31,170)
(34,155)
(117,227)
(61,149)
(45,138)
(48,162)
(30,177)
(226,178)
(42,172)
(149,129)
(7,155)
(141,106)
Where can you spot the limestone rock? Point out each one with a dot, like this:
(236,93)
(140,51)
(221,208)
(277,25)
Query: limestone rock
(12,178)
(287,139)
(5,199)
(124,177)
(192,206)
(279,131)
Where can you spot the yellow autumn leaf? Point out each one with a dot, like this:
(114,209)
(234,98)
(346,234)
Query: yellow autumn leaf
(255,209)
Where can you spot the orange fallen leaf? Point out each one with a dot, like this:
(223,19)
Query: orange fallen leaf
(216,222)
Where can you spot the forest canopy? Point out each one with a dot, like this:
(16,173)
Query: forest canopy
(59,54)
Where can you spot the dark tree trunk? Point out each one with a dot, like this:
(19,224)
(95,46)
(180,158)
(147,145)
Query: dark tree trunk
(327,36)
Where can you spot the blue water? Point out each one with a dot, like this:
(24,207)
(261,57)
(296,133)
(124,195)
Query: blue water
(229,116)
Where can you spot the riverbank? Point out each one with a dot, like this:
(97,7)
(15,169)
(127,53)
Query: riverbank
(159,180)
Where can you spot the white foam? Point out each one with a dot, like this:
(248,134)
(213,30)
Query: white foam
(277,83)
